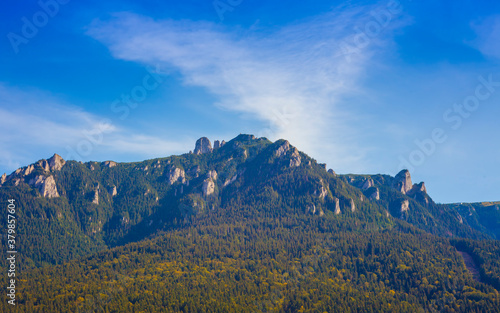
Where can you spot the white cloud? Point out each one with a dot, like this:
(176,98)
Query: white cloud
(293,78)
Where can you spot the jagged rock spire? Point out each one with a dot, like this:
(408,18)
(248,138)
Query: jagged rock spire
(203,145)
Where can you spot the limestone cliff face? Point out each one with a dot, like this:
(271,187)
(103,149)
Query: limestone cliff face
(96,196)
(203,145)
(405,206)
(3,179)
(45,185)
(176,174)
(56,162)
(403,182)
(322,192)
(110,164)
(208,187)
(219,144)
(113,191)
(295,159)
(353,205)
(282,150)
(368,184)
(337,206)
(212,174)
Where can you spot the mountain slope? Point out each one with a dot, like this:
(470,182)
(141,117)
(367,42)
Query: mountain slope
(71,209)
(247,226)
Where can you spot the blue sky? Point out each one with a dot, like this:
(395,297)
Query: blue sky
(364,86)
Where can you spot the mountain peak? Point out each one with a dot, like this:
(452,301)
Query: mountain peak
(56,162)
(203,145)
(403,181)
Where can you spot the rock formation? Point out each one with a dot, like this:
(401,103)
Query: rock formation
(405,206)
(44,164)
(208,187)
(203,145)
(229,181)
(283,149)
(110,164)
(337,206)
(353,205)
(56,162)
(176,174)
(322,192)
(295,159)
(96,195)
(114,191)
(332,172)
(403,182)
(212,174)
(368,184)
(3,179)
(45,185)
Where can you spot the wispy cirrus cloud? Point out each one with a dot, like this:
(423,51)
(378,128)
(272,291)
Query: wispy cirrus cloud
(292,78)
(34,121)
(488,35)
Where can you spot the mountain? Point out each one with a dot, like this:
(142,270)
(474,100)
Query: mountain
(483,216)
(247,225)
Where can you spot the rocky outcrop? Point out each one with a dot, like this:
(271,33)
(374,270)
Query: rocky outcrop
(229,181)
(208,187)
(405,206)
(29,170)
(283,149)
(212,174)
(402,181)
(295,159)
(56,162)
(353,205)
(45,185)
(322,192)
(175,175)
(330,171)
(418,188)
(110,164)
(96,196)
(368,184)
(337,206)
(203,145)
(3,179)
(312,209)
(44,164)
(219,144)
(113,191)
